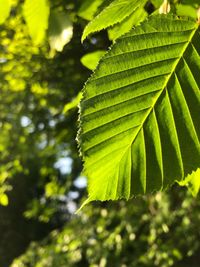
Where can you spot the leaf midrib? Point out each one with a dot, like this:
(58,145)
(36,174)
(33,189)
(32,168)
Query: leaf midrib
(163,89)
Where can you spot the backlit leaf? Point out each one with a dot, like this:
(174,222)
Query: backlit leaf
(116,12)
(91,60)
(127,24)
(36,14)
(140,124)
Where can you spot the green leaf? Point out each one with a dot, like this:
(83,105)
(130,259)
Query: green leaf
(127,24)
(192,182)
(36,15)
(116,12)
(186,10)
(139,117)
(60,30)
(157,3)
(5,10)
(91,60)
(89,8)
(73,104)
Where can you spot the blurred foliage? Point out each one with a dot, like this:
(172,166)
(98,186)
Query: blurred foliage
(5,10)
(41,76)
(148,231)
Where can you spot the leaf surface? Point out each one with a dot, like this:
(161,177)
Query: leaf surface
(127,24)
(116,12)
(139,117)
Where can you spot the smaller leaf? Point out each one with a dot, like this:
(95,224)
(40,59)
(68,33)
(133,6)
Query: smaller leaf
(157,3)
(192,182)
(73,104)
(36,15)
(127,24)
(91,60)
(89,8)
(116,12)
(5,10)
(186,10)
(60,30)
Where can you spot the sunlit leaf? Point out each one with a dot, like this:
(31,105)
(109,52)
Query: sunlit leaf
(116,12)
(88,8)
(157,3)
(73,104)
(140,111)
(186,10)
(36,14)
(91,60)
(127,24)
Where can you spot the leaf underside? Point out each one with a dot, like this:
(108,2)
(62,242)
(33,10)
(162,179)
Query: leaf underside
(139,117)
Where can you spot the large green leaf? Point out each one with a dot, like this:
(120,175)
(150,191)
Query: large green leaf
(116,12)
(36,15)
(139,121)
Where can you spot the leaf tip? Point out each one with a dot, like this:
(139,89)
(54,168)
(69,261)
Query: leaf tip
(87,201)
(83,37)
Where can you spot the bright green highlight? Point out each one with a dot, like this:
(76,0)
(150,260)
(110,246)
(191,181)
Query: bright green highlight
(36,14)
(91,60)
(5,6)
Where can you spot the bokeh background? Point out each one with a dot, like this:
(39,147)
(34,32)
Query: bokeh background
(41,179)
